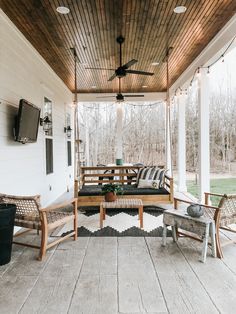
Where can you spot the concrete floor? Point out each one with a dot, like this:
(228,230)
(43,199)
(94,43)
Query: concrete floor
(119,275)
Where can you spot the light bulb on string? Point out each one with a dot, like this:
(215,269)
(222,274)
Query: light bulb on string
(198,71)
(175,96)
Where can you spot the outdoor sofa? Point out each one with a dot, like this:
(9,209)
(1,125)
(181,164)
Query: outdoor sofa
(92,178)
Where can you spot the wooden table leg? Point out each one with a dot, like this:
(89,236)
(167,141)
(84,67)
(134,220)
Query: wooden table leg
(164,234)
(101,216)
(205,244)
(213,239)
(141,216)
(174,234)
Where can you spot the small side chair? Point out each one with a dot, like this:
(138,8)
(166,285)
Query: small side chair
(30,215)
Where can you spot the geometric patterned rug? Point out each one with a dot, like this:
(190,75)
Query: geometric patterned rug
(118,223)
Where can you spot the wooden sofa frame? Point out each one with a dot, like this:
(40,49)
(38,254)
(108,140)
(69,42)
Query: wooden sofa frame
(122,175)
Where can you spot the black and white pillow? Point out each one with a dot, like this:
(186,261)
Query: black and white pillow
(151,173)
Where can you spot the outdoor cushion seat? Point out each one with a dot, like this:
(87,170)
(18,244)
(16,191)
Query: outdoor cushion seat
(95,190)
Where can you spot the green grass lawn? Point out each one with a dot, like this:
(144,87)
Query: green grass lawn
(222,186)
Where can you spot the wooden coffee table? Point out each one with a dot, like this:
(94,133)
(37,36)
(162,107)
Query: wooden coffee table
(122,203)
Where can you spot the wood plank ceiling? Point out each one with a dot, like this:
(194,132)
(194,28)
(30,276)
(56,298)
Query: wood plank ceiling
(149,27)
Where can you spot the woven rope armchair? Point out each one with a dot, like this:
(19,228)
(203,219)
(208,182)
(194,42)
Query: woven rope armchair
(224,214)
(30,215)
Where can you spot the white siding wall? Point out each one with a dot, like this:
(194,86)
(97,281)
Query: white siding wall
(25,74)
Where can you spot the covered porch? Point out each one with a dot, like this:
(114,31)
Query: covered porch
(58,61)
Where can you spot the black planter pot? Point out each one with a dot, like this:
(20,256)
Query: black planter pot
(7,217)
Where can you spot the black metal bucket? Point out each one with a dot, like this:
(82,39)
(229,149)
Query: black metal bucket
(7,217)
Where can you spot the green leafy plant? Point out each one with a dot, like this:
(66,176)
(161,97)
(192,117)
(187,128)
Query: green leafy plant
(111,187)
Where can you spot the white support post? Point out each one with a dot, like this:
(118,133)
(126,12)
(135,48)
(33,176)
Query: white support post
(119,140)
(87,152)
(167,139)
(204,137)
(181,102)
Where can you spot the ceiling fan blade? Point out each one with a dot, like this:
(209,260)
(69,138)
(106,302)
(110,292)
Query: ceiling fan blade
(112,77)
(130,63)
(100,69)
(139,72)
(106,96)
(134,95)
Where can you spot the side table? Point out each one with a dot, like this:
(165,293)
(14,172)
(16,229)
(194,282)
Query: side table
(122,203)
(202,227)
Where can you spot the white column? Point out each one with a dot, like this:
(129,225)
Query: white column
(87,152)
(204,142)
(119,142)
(167,139)
(181,102)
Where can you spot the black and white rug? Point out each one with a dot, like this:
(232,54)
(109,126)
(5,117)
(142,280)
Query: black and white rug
(118,223)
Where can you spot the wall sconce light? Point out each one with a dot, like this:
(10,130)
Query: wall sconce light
(46,123)
(68,130)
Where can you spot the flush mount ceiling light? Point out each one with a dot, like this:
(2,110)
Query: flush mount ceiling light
(180,9)
(155,63)
(94,86)
(63,10)
(144,86)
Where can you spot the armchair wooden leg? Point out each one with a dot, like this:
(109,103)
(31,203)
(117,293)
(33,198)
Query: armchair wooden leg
(43,247)
(76,220)
(44,237)
(75,228)
(218,247)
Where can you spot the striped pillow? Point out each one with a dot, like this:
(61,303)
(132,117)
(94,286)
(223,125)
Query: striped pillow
(151,173)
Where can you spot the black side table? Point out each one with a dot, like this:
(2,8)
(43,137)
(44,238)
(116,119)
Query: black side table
(7,217)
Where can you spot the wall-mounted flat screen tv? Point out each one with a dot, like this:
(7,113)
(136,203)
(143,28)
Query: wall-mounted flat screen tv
(27,122)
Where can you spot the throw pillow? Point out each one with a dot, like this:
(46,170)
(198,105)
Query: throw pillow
(151,173)
(148,184)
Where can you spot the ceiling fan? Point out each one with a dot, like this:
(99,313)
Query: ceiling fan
(122,70)
(119,96)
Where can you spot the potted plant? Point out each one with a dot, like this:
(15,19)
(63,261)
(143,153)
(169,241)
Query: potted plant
(110,191)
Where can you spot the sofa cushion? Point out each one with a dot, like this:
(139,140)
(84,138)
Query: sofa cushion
(95,190)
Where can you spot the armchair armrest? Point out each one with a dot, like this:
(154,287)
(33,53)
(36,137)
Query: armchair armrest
(61,205)
(176,200)
(214,194)
(207,194)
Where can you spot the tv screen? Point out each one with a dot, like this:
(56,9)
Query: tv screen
(27,122)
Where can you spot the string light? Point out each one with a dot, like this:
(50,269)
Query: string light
(197,71)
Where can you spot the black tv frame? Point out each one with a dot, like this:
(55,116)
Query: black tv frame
(17,123)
